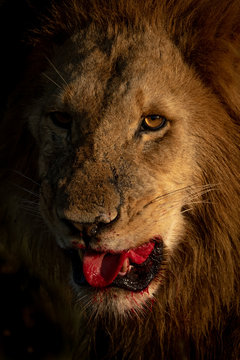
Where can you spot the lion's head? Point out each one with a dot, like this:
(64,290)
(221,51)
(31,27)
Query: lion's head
(138,158)
(111,158)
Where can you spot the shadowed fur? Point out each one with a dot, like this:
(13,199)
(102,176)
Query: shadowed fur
(89,60)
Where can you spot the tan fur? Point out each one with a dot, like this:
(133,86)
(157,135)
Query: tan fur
(108,64)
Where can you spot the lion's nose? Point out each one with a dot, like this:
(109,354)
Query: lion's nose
(89,231)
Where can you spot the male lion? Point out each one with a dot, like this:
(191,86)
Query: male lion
(124,131)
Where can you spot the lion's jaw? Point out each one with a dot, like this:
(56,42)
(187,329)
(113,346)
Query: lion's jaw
(106,170)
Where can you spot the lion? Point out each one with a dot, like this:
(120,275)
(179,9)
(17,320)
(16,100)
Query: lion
(121,176)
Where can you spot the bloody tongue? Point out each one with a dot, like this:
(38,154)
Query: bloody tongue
(100,269)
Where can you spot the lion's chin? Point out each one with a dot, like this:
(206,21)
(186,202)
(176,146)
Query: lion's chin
(116,302)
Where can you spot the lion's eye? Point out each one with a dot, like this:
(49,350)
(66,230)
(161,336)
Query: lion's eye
(61,119)
(153,122)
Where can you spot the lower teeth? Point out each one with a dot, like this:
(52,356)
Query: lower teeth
(125,270)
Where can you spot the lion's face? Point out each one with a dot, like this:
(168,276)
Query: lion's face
(116,127)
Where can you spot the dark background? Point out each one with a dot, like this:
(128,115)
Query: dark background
(28,323)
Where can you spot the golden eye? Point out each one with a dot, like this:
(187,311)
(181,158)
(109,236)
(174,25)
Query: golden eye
(154,122)
(61,119)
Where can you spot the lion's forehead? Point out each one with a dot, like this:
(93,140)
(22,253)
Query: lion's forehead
(111,52)
(103,68)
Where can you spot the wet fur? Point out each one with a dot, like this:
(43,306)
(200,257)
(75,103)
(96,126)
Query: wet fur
(197,313)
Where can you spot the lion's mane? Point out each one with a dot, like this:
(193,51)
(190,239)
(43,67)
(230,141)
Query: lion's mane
(198,316)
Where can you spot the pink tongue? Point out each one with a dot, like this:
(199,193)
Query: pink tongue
(100,269)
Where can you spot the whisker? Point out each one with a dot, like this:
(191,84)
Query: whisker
(46,76)
(26,177)
(27,190)
(204,188)
(186,210)
(160,197)
(200,202)
(198,190)
(168,211)
(29,207)
(32,213)
(54,67)
(30,202)
(201,193)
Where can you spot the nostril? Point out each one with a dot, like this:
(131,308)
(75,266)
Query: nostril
(85,231)
(88,231)
(92,230)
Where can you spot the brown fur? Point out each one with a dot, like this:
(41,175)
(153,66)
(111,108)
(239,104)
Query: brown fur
(196,314)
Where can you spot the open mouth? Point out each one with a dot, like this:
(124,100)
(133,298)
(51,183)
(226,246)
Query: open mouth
(132,269)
